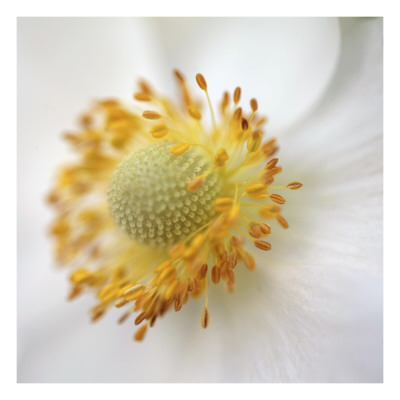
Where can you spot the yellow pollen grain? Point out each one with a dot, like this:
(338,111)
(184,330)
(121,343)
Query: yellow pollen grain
(179,148)
(201,81)
(151,115)
(223,204)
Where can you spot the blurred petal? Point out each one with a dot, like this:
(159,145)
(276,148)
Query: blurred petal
(286,63)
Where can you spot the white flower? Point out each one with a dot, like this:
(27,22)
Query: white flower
(312,310)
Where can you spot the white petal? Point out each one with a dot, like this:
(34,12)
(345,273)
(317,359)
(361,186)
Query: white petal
(286,63)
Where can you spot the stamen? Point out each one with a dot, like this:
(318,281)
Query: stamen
(179,148)
(223,204)
(195,183)
(205,318)
(254,105)
(282,221)
(294,185)
(203,85)
(142,96)
(277,198)
(236,95)
(139,335)
(256,190)
(261,244)
(194,113)
(151,115)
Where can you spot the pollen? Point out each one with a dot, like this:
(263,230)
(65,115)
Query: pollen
(167,202)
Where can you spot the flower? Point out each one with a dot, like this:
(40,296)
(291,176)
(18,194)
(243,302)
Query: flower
(311,313)
(184,200)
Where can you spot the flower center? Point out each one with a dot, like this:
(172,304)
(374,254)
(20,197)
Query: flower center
(148,196)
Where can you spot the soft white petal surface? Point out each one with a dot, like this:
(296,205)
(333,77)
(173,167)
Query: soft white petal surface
(312,311)
(286,63)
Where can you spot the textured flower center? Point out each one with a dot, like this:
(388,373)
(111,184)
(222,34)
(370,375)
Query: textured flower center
(148,196)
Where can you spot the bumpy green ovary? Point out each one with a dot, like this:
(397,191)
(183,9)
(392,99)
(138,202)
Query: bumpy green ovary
(148,196)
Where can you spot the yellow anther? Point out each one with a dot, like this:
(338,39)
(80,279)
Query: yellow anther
(245,124)
(255,231)
(254,105)
(151,115)
(271,164)
(236,95)
(79,276)
(261,244)
(249,261)
(201,81)
(179,148)
(277,198)
(142,96)
(195,246)
(270,211)
(139,335)
(223,204)
(221,157)
(195,183)
(108,292)
(282,222)
(194,112)
(294,185)
(256,190)
(162,266)
(205,317)
(158,131)
(171,289)
(254,141)
(133,293)
(166,275)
